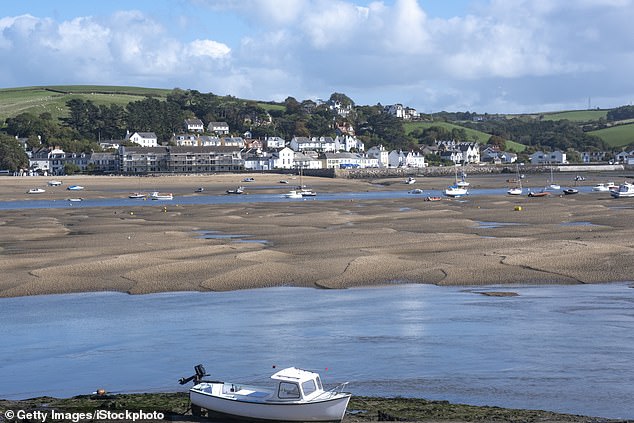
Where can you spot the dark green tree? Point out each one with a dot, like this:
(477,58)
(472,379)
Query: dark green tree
(12,155)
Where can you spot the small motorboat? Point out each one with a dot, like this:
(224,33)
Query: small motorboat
(75,200)
(161,196)
(307,193)
(294,395)
(515,191)
(54,183)
(138,195)
(416,191)
(248,179)
(199,189)
(293,194)
(283,181)
(601,187)
(538,194)
(75,188)
(410,181)
(570,191)
(238,190)
(36,191)
(433,198)
(626,189)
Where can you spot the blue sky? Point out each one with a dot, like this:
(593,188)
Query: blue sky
(495,56)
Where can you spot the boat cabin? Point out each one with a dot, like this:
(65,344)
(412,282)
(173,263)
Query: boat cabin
(296,384)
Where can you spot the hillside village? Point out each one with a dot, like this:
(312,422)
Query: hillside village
(210,148)
(214,146)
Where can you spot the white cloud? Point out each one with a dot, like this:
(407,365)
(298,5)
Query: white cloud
(541,51)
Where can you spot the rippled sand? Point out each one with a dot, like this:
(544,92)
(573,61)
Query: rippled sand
(586,238)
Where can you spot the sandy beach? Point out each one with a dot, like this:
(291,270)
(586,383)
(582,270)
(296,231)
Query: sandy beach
(583,238)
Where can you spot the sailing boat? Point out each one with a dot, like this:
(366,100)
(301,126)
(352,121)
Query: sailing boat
(516,190)
(456,190)
(463,180)
(552,184)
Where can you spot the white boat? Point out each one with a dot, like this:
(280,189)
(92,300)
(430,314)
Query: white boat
(137,195)
(626,189)
(456,191)
(36,191)
(410,181)
(552,185)
(75,200)
(238,190)
(75,188)
(54,183)
(161,196)
(601,187)
(293,194)
(416,191)
(516,190)
(307,193)
(463,181)
(294,395)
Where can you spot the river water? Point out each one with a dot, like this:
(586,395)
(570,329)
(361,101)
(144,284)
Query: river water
(560,348)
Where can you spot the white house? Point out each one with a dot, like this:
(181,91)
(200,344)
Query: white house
(381,154)
(555,157)
(322,144)
(305,161)
(283,159)
(233,142)
(274,142)
(188,140)
(220,128)
(194,125)
(144,139)
(348,143)
(399,158)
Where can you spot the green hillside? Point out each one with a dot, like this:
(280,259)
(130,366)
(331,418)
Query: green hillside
(52,99)
(482,137)
(616,136)
(576,115)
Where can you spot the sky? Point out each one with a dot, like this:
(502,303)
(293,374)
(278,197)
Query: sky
(484,56)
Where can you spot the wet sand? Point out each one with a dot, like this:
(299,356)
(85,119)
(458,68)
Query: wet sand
(584,238)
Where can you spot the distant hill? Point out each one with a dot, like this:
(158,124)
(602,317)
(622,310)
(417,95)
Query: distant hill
(52,99)
(616,136)
(482,137)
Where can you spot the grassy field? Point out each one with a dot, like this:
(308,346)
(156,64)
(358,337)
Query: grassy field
(576,115)
(52,99)
(616,136)
(482,137)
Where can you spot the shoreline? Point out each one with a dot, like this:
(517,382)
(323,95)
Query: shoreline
(175,407)
(479,240)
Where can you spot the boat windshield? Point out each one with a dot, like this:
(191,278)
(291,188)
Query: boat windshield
(318,380)
(309,387)
(288,390)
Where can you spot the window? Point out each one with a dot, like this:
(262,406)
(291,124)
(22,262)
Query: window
(288,390)
(309,387)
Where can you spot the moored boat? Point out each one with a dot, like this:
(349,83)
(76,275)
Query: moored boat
(161,196)
(570,191)
(36,191)
(137,195)
(295,395)
(626,189)
(307,193)
(410,180)
(538,194)
(75,199)
(238,190)
(293,194)
(54,183)
(75,188)
(515,191)
(456,191)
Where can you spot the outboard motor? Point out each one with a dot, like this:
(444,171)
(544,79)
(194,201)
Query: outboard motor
(197,377)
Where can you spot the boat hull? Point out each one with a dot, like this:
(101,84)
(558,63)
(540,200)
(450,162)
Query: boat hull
(327,410)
